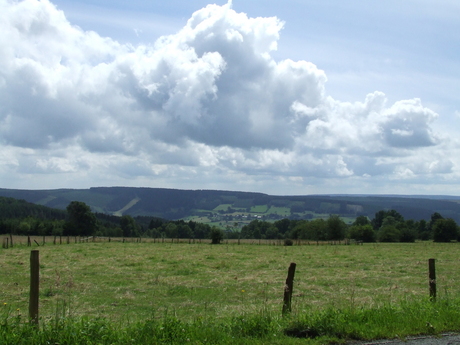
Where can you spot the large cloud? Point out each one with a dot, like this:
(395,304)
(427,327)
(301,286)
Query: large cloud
(209,99)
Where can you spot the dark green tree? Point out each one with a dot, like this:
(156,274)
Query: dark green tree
(184,231)
(81,221)
(361,220)
(155,223)
(254,229)
(298,230)
(282,225)
(434,218)
(389,233)
(363,233)
(272,232)
(202,230)
(336,228)
(423,232)
(316,230)
(216,235)
(129,226)
(380,216)
(445,230)
(408,234)
(171,230)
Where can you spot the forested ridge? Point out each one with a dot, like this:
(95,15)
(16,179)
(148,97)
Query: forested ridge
(228,206)
(19,217)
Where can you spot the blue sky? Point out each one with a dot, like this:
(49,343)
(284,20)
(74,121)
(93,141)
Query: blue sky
(294,97)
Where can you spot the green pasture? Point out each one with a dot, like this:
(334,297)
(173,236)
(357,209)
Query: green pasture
(282,211)
(131,282)
(222,207)
(139,279)
(259,209)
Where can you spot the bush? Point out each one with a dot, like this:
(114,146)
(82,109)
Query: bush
(216,234)
(408,235)
(288,242)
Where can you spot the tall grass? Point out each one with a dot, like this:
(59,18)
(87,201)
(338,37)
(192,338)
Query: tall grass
(331,325)
(397,320)
(135,293)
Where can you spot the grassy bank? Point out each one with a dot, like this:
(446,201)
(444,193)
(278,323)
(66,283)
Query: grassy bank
(232,292)
(331,325)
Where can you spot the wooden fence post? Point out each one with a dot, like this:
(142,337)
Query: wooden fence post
(288,288)
(34,286)
(432,278)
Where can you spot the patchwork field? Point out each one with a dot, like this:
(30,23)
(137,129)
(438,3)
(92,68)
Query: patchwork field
(132,281)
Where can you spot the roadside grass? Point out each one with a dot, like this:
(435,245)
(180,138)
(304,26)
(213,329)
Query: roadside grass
(340,292)
(328,326)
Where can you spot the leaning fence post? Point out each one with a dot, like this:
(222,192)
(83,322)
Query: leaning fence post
(432,278)
(288,289)
(34,286)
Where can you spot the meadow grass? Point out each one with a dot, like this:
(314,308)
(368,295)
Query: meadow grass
(259,209)
(222,207)
(281,211)
(232,291)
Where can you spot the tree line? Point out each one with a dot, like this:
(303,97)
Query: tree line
(386,226)
(23,218)
(19,217)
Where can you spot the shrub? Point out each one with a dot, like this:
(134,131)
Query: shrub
(216,234)
(288,242)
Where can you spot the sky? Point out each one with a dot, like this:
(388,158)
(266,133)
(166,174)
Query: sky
(284,98)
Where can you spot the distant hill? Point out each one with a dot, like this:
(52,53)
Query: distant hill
(228,206)
(14,208)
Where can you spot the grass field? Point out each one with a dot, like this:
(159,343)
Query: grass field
(135,281)
(118,279)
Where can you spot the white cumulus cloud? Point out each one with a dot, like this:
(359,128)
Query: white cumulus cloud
(209,100)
